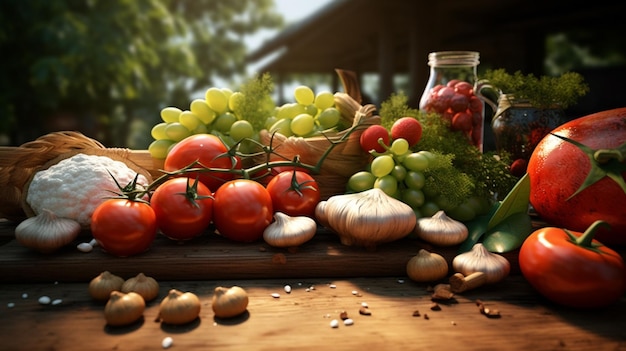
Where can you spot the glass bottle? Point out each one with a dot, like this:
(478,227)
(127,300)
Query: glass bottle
(452,91)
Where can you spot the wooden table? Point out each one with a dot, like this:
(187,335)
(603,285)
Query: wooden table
(326,279)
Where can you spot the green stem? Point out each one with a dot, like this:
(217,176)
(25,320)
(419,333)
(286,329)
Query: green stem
(606,155)
(587,237)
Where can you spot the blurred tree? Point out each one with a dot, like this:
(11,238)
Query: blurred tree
(97,65)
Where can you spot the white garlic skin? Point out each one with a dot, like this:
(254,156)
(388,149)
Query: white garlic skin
(46,232)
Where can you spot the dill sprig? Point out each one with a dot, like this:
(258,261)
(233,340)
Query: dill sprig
(256,103)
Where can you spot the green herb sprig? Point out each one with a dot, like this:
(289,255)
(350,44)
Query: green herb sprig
(541,92)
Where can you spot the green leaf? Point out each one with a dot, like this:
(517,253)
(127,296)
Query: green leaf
(476,229)
(516,201)
(509,234)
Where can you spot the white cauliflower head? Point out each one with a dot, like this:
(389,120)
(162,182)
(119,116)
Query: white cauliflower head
(75,186)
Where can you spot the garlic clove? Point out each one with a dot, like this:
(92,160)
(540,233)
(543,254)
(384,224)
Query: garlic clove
(427,267)
(441,230)
(287,231)
(46,232)
(479,259)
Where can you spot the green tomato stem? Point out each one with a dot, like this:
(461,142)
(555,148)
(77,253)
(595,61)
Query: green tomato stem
(585,240)
(606,155)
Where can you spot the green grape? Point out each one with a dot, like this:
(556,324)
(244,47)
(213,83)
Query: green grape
(388,184)
(399,146)
(414,180)
(429,155)
(399,172)
(302,124)
(227,92)
(169,148)
(324,100)
(282,126)
(361,181)
(382,165)
(463,212)
(304,95)
(290,110)
(416,161)
(189,120)
(235,101)
(311,109)
(176,131)
(413,197)
(223,122)
(328,118)
(217,100)
(241,129)
(443,202)
(159,148)
(429,209)
(269,121)
(158,131)
(201,109)
(200,129)
(170,114)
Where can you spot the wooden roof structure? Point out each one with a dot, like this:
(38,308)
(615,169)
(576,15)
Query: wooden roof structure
(388,37)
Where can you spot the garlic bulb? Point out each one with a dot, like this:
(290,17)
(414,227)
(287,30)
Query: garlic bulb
(46,232)
(179,308)
(427,267)
(479,259)
(101,287)
(287,231)
(367,218)
(441,230)
(143,285)
(123,309)
(229,302)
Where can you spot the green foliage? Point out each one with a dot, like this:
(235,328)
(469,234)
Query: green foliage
(94,59)
(443,178)
(488,173)
(257,105)
(544,91)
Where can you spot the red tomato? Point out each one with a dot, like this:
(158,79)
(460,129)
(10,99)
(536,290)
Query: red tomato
(242,209)
(407,128)
(210,152)
(369,138)
(124,227)
(294,193)
(558,168)
(577,273)
(183,208)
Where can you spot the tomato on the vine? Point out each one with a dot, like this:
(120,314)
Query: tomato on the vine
(183,208)
(294,193)
(572,268)
(124,227)
(210,151)
(242,209)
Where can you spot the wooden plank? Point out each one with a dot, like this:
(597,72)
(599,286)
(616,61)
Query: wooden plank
(300,320)
(213,257)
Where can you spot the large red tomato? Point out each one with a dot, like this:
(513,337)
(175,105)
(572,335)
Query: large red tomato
(558,168)
(123,227)
(295,193)
(183,208)
(571,269)
(242,209)
(210,152)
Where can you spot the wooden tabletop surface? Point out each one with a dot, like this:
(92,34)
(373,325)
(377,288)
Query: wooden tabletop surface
(402,314)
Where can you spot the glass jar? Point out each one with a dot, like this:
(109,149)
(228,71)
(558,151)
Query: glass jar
(452,91)
(518,126)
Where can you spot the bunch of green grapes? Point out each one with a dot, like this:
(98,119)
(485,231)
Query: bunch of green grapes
(218,114)
(309,115)
(410,176)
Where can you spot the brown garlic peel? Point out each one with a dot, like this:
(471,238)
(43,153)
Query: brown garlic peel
(288,231)
(179,308)
(46,232)
(143,285)
(367,218)
(101,287)
(441,230)
(123,309)
(229,302)
(479,259)
(427,267)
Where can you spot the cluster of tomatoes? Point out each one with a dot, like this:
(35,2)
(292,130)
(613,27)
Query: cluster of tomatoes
(185,205)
